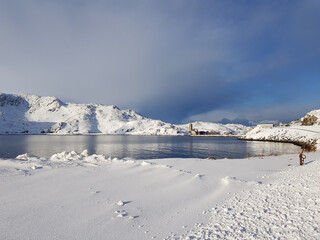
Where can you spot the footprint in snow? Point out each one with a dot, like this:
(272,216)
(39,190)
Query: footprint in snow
(121,213)
(199,175)
(36,167)
(95,192)
(122,203)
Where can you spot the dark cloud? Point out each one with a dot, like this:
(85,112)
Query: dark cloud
(171,60)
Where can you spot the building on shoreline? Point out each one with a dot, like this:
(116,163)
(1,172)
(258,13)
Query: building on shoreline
(196,132)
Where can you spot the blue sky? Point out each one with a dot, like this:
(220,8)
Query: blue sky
(230,61)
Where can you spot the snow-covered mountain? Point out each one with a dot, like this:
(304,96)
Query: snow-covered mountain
(30,114)
(35,115)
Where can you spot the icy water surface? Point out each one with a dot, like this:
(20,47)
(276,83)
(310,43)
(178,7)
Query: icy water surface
(140,147)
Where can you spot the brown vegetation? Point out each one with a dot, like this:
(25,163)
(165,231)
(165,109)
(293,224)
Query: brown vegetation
(310,147)
(309,120)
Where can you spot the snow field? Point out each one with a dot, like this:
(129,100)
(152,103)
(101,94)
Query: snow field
(286,208)
(79,196)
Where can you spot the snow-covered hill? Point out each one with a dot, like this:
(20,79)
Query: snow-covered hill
(305,132)
(221,129)
(30,114)
(34,115)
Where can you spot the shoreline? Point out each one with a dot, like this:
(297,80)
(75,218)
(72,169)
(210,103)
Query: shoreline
(309,147)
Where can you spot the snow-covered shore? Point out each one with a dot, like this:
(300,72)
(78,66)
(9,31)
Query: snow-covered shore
(308,135)
(305,132)
(76,196)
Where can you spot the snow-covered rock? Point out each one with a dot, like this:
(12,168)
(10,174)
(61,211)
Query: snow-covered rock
(30,114)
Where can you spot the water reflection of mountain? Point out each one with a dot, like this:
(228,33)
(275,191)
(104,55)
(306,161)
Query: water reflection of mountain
(140,147)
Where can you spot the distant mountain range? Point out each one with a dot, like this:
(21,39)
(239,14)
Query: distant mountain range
(30,114)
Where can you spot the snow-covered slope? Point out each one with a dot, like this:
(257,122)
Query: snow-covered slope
(32,114)
(228,129)
(307,132)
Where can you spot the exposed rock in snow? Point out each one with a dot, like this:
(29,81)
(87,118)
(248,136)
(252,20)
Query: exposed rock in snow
(312,118)
(30,114)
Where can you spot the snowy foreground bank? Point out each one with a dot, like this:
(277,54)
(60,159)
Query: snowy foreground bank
(76,196)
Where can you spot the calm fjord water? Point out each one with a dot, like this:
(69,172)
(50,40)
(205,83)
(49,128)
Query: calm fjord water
(140,147)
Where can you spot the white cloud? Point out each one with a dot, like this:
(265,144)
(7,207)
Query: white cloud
(256,115)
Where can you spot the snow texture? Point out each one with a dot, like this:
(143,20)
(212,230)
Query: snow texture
(79,196)
(30,114)
(286,208)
